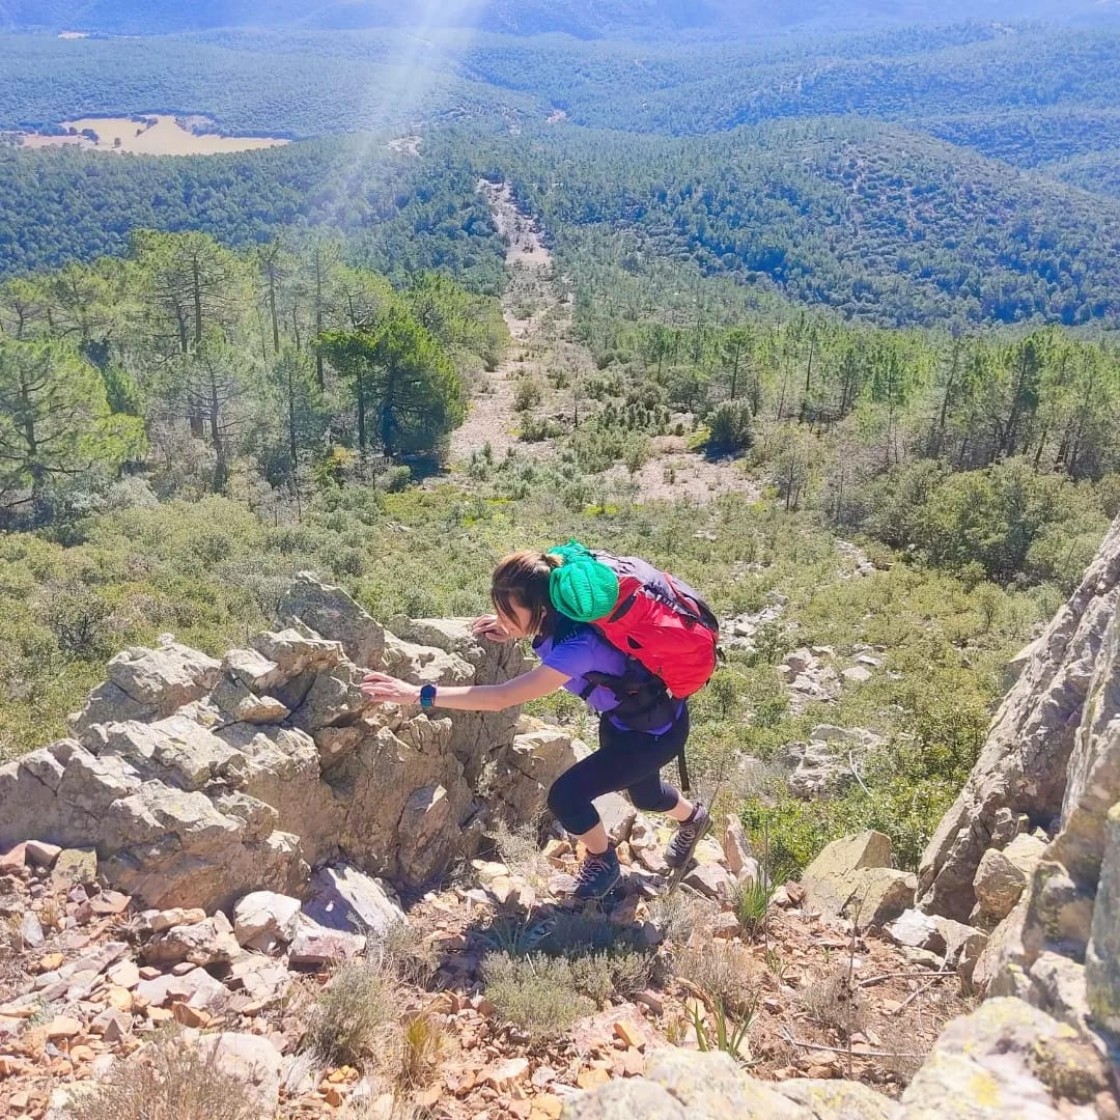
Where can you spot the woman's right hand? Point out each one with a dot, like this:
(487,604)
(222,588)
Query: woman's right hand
(490,628)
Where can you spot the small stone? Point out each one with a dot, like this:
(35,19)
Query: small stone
(110,903)
(652,1000)
(20,1101)
(549,1106)
(31,931)
(725,925)
(42,854)
(63,1026)
(112,1025)
(125,974)
(120,999)
(50,962)
(159,1015)
(190,1016)
(509,1073)
(626,1031)
(592,1078)
(857,674)
(74,867)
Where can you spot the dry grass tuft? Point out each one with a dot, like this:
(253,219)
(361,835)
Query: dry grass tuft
(833,1002)
(537,993)
(724,972)
(168,1080)
(353,1016)
(420,1043)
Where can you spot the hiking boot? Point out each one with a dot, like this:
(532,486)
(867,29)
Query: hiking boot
(689,833)
(598,875)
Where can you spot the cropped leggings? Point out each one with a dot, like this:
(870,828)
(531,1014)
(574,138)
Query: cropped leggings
(625,760)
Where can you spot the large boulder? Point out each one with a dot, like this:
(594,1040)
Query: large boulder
(1025,766)
(1002,876)
(852,877)
(1006,1060)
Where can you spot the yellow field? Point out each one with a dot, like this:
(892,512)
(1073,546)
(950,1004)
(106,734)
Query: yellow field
(166,137)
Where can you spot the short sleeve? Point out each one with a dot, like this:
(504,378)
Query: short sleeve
(574,657)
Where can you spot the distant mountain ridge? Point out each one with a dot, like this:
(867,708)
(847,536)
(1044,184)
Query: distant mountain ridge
(582,18)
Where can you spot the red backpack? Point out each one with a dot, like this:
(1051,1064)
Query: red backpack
(660,622)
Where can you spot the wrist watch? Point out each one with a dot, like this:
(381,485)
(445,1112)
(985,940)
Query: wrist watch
(427,696)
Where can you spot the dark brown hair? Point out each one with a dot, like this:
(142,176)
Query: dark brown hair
(521,580)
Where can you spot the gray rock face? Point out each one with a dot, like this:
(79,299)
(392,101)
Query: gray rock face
(1025,766)
(1005,1060)
(329,610)
(196,781)
(1102,961)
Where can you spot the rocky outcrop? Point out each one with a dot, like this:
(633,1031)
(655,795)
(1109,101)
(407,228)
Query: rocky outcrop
(1053,760)
(1007,1060)
(197,781)
(1027,765)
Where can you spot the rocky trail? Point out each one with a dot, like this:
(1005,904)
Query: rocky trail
(537,308)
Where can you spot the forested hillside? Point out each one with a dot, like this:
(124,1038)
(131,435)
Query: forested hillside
(403,215)
(871,220)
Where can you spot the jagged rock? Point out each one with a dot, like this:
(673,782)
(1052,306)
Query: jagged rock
(315,945)
(1070,885)
(263,918)
(737,850)
(149,683)
(958,944)
(850,853)
(710,880)
(342,898)
(204,943)
(1006,1060)
(330,611)
(1058,988)
(851,877)
(445,650)
(197,988)
(184,798)
(1025,766)
(1006,826)
(1002,876)
(1102,960)
(857,674)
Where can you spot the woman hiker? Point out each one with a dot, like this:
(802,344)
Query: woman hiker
(634,742)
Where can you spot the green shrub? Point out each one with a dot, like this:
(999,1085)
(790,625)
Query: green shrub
(537,993)
(730,428)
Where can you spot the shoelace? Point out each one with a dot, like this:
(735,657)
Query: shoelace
(590,868)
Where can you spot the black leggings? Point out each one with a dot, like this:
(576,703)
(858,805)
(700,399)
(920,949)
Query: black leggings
(629,760)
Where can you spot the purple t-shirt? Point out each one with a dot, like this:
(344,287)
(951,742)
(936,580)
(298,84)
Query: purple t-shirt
(583,652)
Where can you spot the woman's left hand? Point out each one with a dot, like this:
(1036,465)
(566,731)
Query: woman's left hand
(383,689)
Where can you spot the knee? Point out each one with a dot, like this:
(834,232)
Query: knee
(575,812)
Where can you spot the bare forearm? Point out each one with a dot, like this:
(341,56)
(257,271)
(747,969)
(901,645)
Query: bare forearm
(473,697)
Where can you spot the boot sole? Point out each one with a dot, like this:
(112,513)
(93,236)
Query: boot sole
(691,848)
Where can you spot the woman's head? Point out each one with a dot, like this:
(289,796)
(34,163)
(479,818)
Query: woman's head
(519,590)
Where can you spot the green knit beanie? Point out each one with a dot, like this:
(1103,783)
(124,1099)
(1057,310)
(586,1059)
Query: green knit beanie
(582,588)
